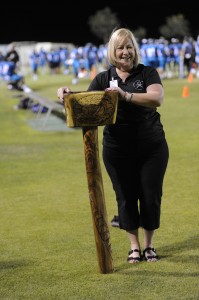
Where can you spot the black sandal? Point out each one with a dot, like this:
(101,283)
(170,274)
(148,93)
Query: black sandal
(134,259)
(150,257)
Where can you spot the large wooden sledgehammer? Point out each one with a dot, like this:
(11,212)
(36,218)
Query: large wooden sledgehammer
(90,110)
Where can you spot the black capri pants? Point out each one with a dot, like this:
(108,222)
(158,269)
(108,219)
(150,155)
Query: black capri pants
(137,175)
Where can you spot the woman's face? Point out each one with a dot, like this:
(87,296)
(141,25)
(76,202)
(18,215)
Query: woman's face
(125,54)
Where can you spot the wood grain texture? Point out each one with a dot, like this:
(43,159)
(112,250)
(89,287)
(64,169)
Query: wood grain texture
(91,108)
(97,200)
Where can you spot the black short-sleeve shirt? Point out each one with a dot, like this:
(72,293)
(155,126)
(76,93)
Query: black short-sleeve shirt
(133,122)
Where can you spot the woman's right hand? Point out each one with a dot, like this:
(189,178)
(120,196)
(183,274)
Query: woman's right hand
(63,91)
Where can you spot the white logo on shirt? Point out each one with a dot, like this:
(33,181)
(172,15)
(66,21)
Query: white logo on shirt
(138,85)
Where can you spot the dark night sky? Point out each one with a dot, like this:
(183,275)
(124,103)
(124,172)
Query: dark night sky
(54,23)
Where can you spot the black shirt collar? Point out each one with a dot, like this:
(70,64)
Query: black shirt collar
(114,74)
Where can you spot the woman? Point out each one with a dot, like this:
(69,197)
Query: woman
(135,151)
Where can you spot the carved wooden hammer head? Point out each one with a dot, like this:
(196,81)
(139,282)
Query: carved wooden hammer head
(94,108)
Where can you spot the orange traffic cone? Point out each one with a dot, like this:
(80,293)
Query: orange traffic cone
(93,72)
(185,92)
(190,77)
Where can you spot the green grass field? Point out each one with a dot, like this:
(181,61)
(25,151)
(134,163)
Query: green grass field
(47,246)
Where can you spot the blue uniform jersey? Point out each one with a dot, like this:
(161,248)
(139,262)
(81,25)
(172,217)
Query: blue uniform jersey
(7,71)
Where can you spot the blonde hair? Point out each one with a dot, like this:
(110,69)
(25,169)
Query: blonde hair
(116,38)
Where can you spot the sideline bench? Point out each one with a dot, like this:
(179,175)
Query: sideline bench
(45,102)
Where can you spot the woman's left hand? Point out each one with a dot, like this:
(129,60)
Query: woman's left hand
(117,89)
